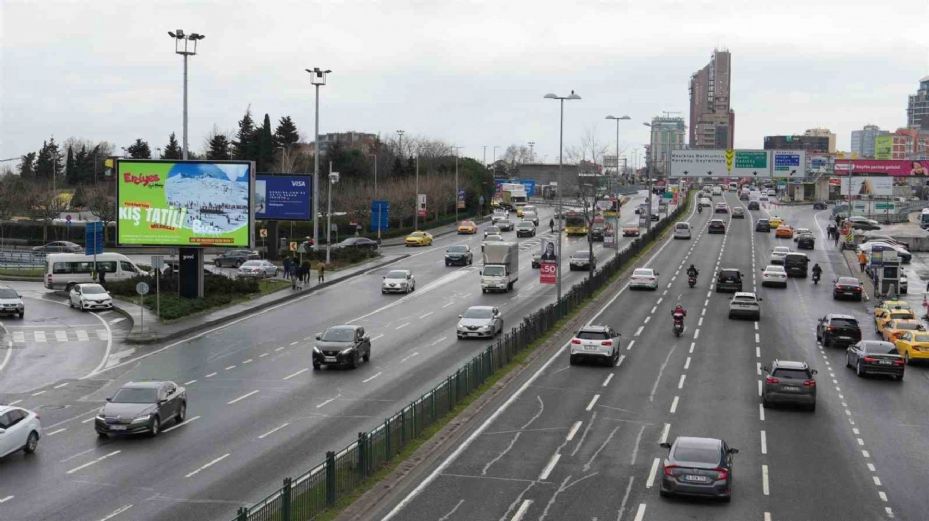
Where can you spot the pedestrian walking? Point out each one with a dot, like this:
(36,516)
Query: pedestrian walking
(322,273)
(836,236)
(862,260)
(288,265)
(102,277)
(305,274)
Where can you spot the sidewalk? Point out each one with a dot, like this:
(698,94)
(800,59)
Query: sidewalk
(147,329)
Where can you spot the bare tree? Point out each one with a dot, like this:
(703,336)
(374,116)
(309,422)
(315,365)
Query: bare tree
(44,205)
(10,199)
(101,201)
(517,154)
(589,148)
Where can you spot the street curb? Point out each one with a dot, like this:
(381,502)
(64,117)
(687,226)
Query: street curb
(21,279)
(148,338)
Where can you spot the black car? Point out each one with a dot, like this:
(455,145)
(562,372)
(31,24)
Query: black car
(836,329)
(729,279)
(235,258)
(142,407)
(716,226)
(795,264)
(459,254)
(596,233)
(753,205)
(762,225)
(697,467)
(342,345)
(358,243)
(806,241)
(819,205)
(847,288)
(788,382)
(875,357)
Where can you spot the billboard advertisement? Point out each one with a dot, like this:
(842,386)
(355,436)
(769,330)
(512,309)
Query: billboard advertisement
(529,184)
(720,163)
(883,147)
(548,263)
(283,197)
(184,203)
(867,185)
(894,167)
(789,162)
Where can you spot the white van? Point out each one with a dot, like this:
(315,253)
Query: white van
(62,270)
(717,190)
(682,230)
(733,187)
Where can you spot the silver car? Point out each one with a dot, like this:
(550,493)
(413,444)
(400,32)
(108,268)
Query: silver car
(89,297)
(480,321)
(505,225)
(11,303)
(257,269)
(745,304)
(398,281)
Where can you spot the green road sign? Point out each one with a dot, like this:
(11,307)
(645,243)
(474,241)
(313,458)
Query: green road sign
(751,159)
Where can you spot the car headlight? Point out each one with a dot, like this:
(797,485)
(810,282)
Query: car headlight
(316,350)
(142,419)
(486,327)
(347,350)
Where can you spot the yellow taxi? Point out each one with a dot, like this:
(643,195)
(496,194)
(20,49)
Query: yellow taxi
(895,314)
(775,221)
(519,210)
(896,327)
(467,227)
(418,238)
(913,345)
(784,232)
(888,305)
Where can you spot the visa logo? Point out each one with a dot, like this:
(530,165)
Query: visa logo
(298,183)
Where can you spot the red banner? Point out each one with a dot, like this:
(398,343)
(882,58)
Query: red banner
(894,167)
(548,272)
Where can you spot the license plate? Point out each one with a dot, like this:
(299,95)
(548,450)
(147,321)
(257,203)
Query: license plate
(329,358)
(117,427)
(884,362)
(791,389)
(845,338)
(590,348)
(696,478)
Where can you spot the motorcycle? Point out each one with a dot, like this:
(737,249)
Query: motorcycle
(692,280)
(699,208)
(678,325)
(816,278)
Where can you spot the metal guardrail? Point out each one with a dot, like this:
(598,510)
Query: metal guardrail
(309,495)
(21,259)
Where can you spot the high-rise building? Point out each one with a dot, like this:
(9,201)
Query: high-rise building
(667,135)
(812,144)
(917,110)
(863,141)
(712,121)
(823,132)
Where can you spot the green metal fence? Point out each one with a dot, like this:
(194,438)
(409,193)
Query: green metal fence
(305,497)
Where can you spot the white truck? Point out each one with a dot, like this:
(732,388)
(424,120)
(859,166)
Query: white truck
(501,266)
(517,194)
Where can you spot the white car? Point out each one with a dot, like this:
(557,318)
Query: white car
(599,343)
(778,254)
(19,429)
(774,275)
(480,321)
(682,230)
(705,201)
(491,238)
(499,215)
(11,303)
(89,297)
(800,231)
(717,190)
(643,278)
(257,268)
(745,304)
(398,281)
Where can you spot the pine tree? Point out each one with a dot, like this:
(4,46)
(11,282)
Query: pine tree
(71,172)
(219,148)
(265,156)
(139,150)
(244,146)
(286,132)
(172,150)
(48,162)
(27,166)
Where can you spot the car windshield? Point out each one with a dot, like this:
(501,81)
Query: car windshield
(921,338)
(478,313)
(844,322)
(135,395)
(8,293)
(909,326)
(581,254)
(92,289)
(494,271)
(396,274)
(763,221)
(491,238)
(682,226)
(251,264)
(797,374)
(743,298)
(592,335)
(457,249)
(338,334)
(848,281)
(525,224)
(642,273)
(881,348)
(775,267)
(696,454)
(901,314)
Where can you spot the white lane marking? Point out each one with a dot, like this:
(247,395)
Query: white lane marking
(82,335)
(211,375)
(244,396)
(647,319)
(550,467)
(620,361)
(407,357)
(438,341)
(629,345)
(654,308)
(250,360)
(593,401)
(573,431)
(756,326)
(664,433)
(761,412)
(651,474)
(865,454)
(860,442)
(230,367)
(106,351)
(378,336)
(521,512)
(697,333)
(15,402)
(117,320)
(4,500)
(758,368)
(757,352)
(680,383)
(327,402)
(764,480)
(608,378)
(366,380)
(295,342)
(403,325)
(640,513)
(639,331)
(276,349)
(692,346)
(56,431)
(92,462)
(449,304)
(208,465)
(426,314)
(59,386)
(188,382)
(659,301)
(871,467)
(674,405)
(272,431)
(890,512)
(687,363)
(116,512)
(39,393)
(700,322)
(185,422)
(288,377)
(40,336)
(759,387)
(757,338)
(19,337)
(262,355)
(877,480)
(764,443)
(882,495)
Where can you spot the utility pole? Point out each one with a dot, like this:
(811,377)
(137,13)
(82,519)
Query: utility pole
(532,151)
(317,78)
(416,196)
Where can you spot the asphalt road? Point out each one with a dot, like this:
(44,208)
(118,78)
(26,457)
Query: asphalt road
(581,442)
(257,411)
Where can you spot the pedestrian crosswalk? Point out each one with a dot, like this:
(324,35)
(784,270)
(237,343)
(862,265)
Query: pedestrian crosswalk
(59,336)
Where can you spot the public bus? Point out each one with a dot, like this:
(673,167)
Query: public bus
(575,223)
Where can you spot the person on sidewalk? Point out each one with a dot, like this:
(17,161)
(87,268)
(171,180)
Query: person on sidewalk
(862,260)
(288,265)
(322,273)
(836,236)
(102,274)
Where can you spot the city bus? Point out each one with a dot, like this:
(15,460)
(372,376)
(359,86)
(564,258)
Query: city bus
(575,223)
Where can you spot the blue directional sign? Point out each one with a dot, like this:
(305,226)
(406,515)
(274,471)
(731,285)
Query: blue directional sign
(93,238)
(380,215)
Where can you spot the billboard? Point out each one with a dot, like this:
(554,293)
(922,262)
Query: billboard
(529,184)
(720,163)
(867,185)
(789,162)
(894,167)
(883,147)
(283,197)
(184,203)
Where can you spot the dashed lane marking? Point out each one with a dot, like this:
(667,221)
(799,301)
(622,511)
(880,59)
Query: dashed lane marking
(761,412)
(366,380)
(629,345)
(664,433)
(523,508)
(650,482)
(208,465)
(680,383)
(573,431)
(272,431)
(593,401)
(764,443)
(183,423)
(549,467)
(607,380)
(211,375)
(639,331)
(116,512)
(674,404)
(244,396)
(288,377)
(93,462)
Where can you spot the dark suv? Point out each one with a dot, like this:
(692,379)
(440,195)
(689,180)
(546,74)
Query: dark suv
(836,329)
(342,345)
(795,264)
(729,279)
(762,225)
(789,382)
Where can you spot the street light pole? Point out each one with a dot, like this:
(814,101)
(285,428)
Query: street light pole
(317,79)
(561,99)
(333,179)
(400,144)
(532,151)
(182,46)
(416,213)
(616,196)
(457,189)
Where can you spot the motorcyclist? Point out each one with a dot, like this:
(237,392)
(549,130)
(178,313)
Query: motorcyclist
(699,208)
(679,312)
(692,271)
(817,271)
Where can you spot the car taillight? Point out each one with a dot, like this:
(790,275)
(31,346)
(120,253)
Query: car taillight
(772,380)
(869,359)
(669,470)
(809,383)
(721,473)
(575,341)
(898,362)
(607,343)
(857,288)
(830,328)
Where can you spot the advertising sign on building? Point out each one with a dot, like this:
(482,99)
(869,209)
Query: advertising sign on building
(894,167)
(283,197)
(184,203)
(720,163)
(883,147)
(791,163)
(867,185)
(529,184)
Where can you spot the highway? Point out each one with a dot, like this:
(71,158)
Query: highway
(582,442)
(257,411)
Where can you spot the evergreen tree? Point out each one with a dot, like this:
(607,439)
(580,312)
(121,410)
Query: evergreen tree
(49,161)
(139,150)
(172,150)
(219,148)
(244,146)
(27,166)
(286,132)
(71,173)
(265,141)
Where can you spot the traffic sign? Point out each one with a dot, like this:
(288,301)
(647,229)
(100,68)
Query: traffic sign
(158,262)
(548,272)
(263,233)
(93,238)
(380,215)
(141,288)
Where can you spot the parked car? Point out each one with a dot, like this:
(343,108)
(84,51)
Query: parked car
(875,357)
(479,321)
(631,231)
(745,304)
(913,346)
(234,258)
(345,345)
(398,281)
(599,343)
(257,269)
(582,260)
(788,382)
(11,303)
(89,297)
(863,223)
(697,467)
(728,279)
(358,243)
(837,329)
(58,247)
(20,429)
(142,407)
(458,254)
(819,205)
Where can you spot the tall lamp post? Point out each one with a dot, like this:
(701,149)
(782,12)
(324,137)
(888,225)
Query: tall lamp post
(185,45)
(616,226)
(317,79)
(333,179)
(457,188)
(648,214)
(561,100)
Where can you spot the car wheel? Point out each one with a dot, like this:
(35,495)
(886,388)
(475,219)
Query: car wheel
(356,360)
(765,403)
(811,407)
(727,499)
(446,264)
(858,370)
(906,358)
(21,315)
(156,426)
(899,378)
(367,356)
(572,360)
(848,360)
(70,303)
(102,435)
(216,263)
(31,443)
(181,413)
(316,366)
(663,493)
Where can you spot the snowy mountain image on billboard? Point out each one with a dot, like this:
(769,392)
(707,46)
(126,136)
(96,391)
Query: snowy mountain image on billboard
(214,195)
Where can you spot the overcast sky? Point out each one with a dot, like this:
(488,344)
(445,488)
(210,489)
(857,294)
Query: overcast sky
(471,73)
